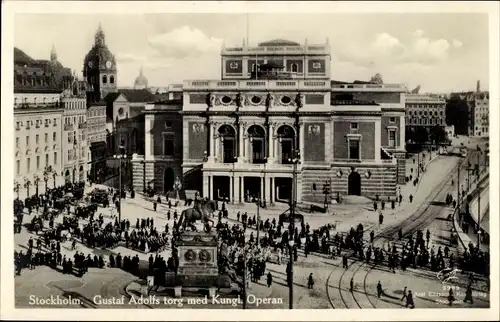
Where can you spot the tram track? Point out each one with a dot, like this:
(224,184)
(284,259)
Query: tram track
(420,218)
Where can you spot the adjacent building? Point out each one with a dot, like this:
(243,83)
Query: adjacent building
(425,110)
(38,117)
(74,135)
(97,138)
(478,122)
(239,136)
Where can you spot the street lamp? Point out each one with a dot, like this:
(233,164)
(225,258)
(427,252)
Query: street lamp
(36,181)
(295,161)
(54,175)
(27,185)
(17,186)
(46,174)
(120,156)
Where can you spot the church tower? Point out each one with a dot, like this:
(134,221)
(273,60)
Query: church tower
(53,54)
(99,69)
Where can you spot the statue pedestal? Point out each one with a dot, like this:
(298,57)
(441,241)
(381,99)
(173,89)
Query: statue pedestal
(197,259)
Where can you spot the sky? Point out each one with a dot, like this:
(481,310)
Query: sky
(442,52)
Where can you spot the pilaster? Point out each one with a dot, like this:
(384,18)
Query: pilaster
(378,139)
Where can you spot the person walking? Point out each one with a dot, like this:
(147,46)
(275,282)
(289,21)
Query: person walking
(310,282)
(351,285)
(409,300)
(379,289)
(468,294)
(404,294)
(269,279)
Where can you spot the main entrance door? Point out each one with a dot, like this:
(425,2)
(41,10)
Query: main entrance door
(168,180)
(354,184)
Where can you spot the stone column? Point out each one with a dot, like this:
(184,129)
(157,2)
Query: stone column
(206,185)
(211,134)
(378,138)
(402,132)
(262,187)
(301,141)
(211,185)
(217,153)
(236,189)
(240,142)
(270,138)
(269,187)
(231,190)
(148,125)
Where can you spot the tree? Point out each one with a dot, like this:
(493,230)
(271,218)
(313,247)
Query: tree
(421,135)
(457,114)
(438,134)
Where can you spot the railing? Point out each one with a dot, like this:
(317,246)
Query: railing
(68,127)
(82,125)
(324,49)
(391,87)
(37,105)
(255,84)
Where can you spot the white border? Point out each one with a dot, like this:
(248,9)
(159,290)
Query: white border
(94,7)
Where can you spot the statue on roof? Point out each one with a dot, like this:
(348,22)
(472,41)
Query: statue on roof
(376,79)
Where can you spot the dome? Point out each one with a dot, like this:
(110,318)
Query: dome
(141,81)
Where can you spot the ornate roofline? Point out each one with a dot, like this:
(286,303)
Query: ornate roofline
(288,114)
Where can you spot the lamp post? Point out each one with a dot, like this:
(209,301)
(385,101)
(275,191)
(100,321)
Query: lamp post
(36,181)
(120,156)
(143,175)
(17,186)
(54,175)
(258,217)
(27,185)
(46,174)
(295,161)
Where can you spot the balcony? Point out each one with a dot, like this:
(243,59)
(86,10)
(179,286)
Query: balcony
(261,84)
(277,50)
(369,87)
(68,127)
(82,125)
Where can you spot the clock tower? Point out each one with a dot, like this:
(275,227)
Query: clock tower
(99,69)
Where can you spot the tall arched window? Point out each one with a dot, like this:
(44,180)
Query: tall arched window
(112,79)
(295,68)
(104,79)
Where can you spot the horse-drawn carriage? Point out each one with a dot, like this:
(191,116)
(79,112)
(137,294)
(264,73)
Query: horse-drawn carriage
(149,192)
(100,196)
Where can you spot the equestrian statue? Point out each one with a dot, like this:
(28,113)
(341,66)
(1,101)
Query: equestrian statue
(201,211)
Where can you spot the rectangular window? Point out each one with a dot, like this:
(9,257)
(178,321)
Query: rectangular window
(28,164)
(17,126)
(27,140)
(354,126)
(46,137)
(168,146)
(55,158)
(54,136)
(392,138)
(17,142)
(46,160)
(38,162)
(18,166)
(392,120)
(354,150)
(37,137)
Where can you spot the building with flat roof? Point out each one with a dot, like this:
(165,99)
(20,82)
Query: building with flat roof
(238,136)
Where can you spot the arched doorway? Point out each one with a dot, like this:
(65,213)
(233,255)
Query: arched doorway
(257,137)
(168,180)
(227,136)
(67,176)
(82,174)
(286,138)
(354,184)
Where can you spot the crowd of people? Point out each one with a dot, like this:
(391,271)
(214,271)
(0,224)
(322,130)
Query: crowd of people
(238,255)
